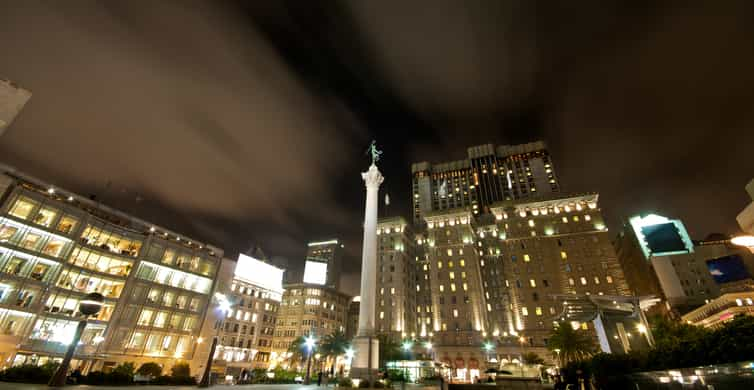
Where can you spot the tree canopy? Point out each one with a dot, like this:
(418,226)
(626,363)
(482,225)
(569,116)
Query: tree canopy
(569,344)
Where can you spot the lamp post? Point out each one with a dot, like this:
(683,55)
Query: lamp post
(488,348)
(89,306)
(223,305)
(522,339)
(310,343)
(557,357)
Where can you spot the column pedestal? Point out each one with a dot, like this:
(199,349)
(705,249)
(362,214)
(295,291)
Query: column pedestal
(361,367)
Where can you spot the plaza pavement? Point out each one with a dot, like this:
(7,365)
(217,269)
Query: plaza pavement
(23,386)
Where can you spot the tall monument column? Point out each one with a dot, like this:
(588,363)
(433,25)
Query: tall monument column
(366,345)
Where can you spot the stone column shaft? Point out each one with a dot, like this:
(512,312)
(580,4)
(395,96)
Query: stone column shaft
(372,180)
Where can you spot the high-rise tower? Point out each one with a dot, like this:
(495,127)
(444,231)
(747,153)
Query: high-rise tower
(490,174)
(324,255)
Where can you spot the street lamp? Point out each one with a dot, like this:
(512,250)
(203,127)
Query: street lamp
(745,241)
(488,348)
(90,305)
(223,305)
(310,342)
(522,339)
(557,357)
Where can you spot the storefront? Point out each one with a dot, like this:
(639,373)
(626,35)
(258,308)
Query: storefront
(415,370)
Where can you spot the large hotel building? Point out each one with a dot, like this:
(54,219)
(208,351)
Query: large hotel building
(494,242)
(56,246)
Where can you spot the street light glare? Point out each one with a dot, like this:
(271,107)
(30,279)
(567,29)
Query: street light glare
(428,345)
(407,346)
(310,342)
(747,241)
(350,353)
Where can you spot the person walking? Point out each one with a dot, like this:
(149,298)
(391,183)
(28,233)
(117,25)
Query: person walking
(319,379)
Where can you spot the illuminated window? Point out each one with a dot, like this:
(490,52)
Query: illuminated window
(531,223)
(45,216)
(596,280)
(450,264)
(563,255)
(382,314)
(565,220)
(609,279)
(465,287)
(145,317)
(67,223)
(526,258)
(489,307)
(439,264)
(442,288)
(392,290)
(532,283)
(254,317)
(450,252)
(525,311)
(588,217)
(160,319)
(452,287)
(425,267)
(575,218)
(570,281)
(463,274)
(455,313)
(583,280)
(462,263)
(22,208)
(418,288)
(584,326)
(452,275)
(538,311)
(382,291)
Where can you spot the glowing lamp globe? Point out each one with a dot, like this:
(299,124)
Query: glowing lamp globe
(91,304)
(747,241)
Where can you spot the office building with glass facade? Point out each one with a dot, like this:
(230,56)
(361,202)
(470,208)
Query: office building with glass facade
(56,246)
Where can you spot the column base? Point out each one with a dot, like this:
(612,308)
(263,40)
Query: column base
(360,366)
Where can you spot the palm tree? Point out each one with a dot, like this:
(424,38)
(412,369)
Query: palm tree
(569,344)
(334,345)
(297,349)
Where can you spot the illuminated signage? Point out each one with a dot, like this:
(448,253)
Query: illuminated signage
(660,236)
(315,272)
(251,270)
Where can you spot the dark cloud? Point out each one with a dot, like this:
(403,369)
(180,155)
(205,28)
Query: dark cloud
(246,122)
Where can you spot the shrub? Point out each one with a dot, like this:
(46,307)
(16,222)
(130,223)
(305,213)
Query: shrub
(180,370)
(94,378)
(345,382)
(29,373)
(150,369)
(377,385)
(125,369)
(364,384)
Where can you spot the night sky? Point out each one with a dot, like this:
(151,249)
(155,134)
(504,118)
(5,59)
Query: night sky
(245,123)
